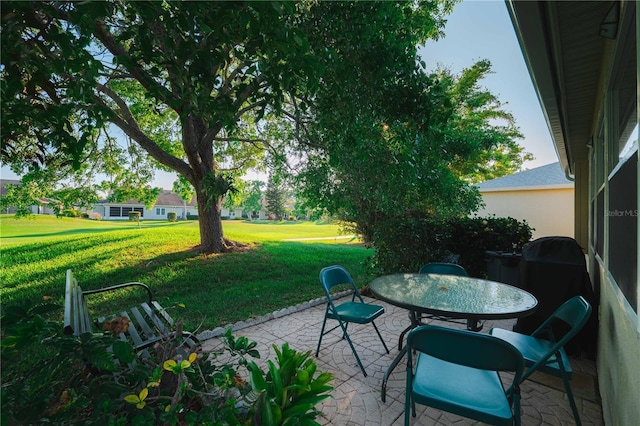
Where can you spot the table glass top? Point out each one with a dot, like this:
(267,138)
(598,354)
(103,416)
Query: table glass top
(454,296)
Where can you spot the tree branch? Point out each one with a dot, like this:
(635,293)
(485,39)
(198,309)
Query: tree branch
(148,82)
(129,126)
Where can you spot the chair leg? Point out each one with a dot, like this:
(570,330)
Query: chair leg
(346,326)
(353,349)
(407,398)
(567,388)
(516,406)
(407,409)
(324,323)
(380,336)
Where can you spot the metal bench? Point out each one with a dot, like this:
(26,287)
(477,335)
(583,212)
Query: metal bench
(148,323)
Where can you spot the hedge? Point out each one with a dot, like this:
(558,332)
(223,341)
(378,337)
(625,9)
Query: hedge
(404,244)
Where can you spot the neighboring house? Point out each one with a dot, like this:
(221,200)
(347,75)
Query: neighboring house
(542,196)
(167,202)
(3,191)
(583,60)
(43,205)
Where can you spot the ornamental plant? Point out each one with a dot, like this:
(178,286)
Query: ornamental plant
(95,378)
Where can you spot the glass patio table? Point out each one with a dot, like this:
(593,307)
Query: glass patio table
(452,297)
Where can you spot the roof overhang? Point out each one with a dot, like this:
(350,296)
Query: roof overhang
(527,188)
(563,50)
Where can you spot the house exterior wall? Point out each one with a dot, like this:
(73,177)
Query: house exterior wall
(618,355)
(159,212)
(546,210)
(614,181)
(231,213)
(107,213)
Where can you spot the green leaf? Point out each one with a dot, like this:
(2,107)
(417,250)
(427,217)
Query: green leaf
(123,351)
(258,381)
(303,377)
(101,359)
(278,391)
(268,415)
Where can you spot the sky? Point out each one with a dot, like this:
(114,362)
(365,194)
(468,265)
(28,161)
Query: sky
(477,29)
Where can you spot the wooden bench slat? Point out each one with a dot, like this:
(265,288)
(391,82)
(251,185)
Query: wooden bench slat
(157,321)
(163,312)
(133,333)
(142,323)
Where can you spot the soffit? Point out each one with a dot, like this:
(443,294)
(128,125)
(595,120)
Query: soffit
(564,52)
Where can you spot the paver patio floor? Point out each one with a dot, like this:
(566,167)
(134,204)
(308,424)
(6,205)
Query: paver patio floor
(356,399)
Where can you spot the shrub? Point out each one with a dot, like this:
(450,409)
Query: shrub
(403,244)
(172,216)
(96,216)
(78,381)
(134,216)
(192,217)
(71,213)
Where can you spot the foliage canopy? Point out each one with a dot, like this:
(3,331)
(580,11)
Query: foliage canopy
(334,89)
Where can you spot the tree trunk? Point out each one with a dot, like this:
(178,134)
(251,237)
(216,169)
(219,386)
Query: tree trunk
(211,236)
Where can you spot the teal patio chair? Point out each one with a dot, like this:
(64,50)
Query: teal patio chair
(458,371)
(450,269)
(347,312)
(542,352)
(444,269)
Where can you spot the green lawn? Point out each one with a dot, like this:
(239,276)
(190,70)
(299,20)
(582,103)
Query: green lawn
(271,273)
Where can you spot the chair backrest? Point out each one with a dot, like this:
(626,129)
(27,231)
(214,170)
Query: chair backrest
(467,348)
(335,275)
(574,312)
(443,269)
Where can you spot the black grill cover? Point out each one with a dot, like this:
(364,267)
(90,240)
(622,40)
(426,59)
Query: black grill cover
(554,270)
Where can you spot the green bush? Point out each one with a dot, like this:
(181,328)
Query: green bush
(192,217)
(403,244)
(134,216)
(48,377)
(71,213)
(172,216)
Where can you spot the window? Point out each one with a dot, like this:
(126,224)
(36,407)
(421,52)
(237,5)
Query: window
(623,228)
(160,211)
(621,214)
(117,211)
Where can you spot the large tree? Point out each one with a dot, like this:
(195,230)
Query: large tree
(384,135)
(181,80)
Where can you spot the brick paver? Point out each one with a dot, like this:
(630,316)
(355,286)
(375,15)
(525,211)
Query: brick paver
(356,399)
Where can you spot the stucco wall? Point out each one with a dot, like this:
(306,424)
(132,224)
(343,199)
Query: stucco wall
(618,358)
(549,211)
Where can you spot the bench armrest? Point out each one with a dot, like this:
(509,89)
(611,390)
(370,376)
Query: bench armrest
(120,286)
